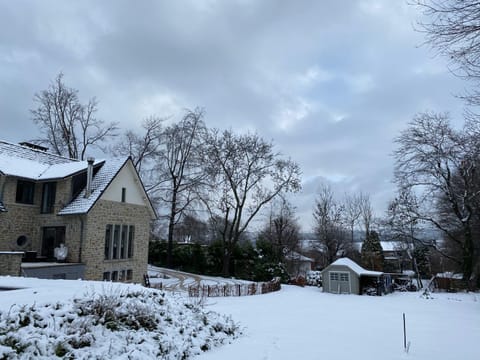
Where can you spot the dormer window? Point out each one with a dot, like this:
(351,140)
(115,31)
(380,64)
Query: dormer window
(25,192)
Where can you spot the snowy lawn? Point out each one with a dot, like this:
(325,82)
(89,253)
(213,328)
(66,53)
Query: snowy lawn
(94,320)
(304,323)
(294,323)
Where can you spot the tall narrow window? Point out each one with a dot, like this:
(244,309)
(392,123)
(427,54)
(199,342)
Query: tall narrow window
(25,192)
(129,274)
(116,241)
(124,194)
(108,242)
(48,197)
(123,243)
(131,238)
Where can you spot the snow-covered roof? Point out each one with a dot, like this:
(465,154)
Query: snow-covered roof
(449,275)
(26,162)
(81,204)
(355,267)
(387,246)
(293,255)
(395,245)
(33,164)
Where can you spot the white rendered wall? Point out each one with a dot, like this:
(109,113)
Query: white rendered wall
(127,179)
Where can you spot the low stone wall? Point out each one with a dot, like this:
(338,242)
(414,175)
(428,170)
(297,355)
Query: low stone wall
(10,263)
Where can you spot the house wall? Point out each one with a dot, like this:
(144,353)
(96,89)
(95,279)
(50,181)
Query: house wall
(18,220)
(26,220)
(354,278)
(111,212)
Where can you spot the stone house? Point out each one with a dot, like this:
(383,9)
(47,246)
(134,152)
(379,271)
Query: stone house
(73,219)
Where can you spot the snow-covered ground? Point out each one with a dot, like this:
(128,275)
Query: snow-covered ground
(304,323)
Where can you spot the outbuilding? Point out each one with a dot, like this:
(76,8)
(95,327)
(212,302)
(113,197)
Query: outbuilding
(345,276)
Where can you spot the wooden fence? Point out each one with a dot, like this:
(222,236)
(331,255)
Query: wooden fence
(234,289)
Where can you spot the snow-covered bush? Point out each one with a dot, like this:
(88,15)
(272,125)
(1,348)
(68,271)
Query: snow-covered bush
(314,278)
(118,324)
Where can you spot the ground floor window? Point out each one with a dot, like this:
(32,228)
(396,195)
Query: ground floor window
(118,275)
(53,236)
(119,241)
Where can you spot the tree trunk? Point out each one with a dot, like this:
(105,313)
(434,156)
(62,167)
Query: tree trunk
(226,263)
(171,227)
(468,258)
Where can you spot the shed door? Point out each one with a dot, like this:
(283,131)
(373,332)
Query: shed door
(340,282)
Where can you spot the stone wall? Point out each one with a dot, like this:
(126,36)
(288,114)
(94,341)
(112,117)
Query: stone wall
(10,263)
(26,220)
(110,212)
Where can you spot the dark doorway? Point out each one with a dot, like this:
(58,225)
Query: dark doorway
(52,238)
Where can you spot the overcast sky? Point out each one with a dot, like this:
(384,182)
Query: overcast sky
(330,82)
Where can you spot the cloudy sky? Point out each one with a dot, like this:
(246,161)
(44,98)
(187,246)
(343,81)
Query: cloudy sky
(330,82)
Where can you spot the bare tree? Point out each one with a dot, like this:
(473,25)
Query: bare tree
(329,226)
(142,147)
(452,27)
(69,127)
(178,169)
(404,226)
(247,174)
(353,211)
(438,163)
(282,229)
(366,209)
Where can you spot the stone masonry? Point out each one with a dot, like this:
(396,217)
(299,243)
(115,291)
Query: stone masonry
(10,263)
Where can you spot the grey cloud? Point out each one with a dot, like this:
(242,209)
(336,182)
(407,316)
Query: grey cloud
(331,82)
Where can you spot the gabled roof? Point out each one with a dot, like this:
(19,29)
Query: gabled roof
(34,164)
(295,256)
(25,162)
(103,178)
(355,267)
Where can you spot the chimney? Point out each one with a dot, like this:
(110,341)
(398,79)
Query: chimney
(88,190)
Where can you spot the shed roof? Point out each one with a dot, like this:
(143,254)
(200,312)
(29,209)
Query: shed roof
(355,267)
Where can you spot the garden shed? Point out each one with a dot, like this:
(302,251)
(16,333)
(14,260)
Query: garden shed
(345,276)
